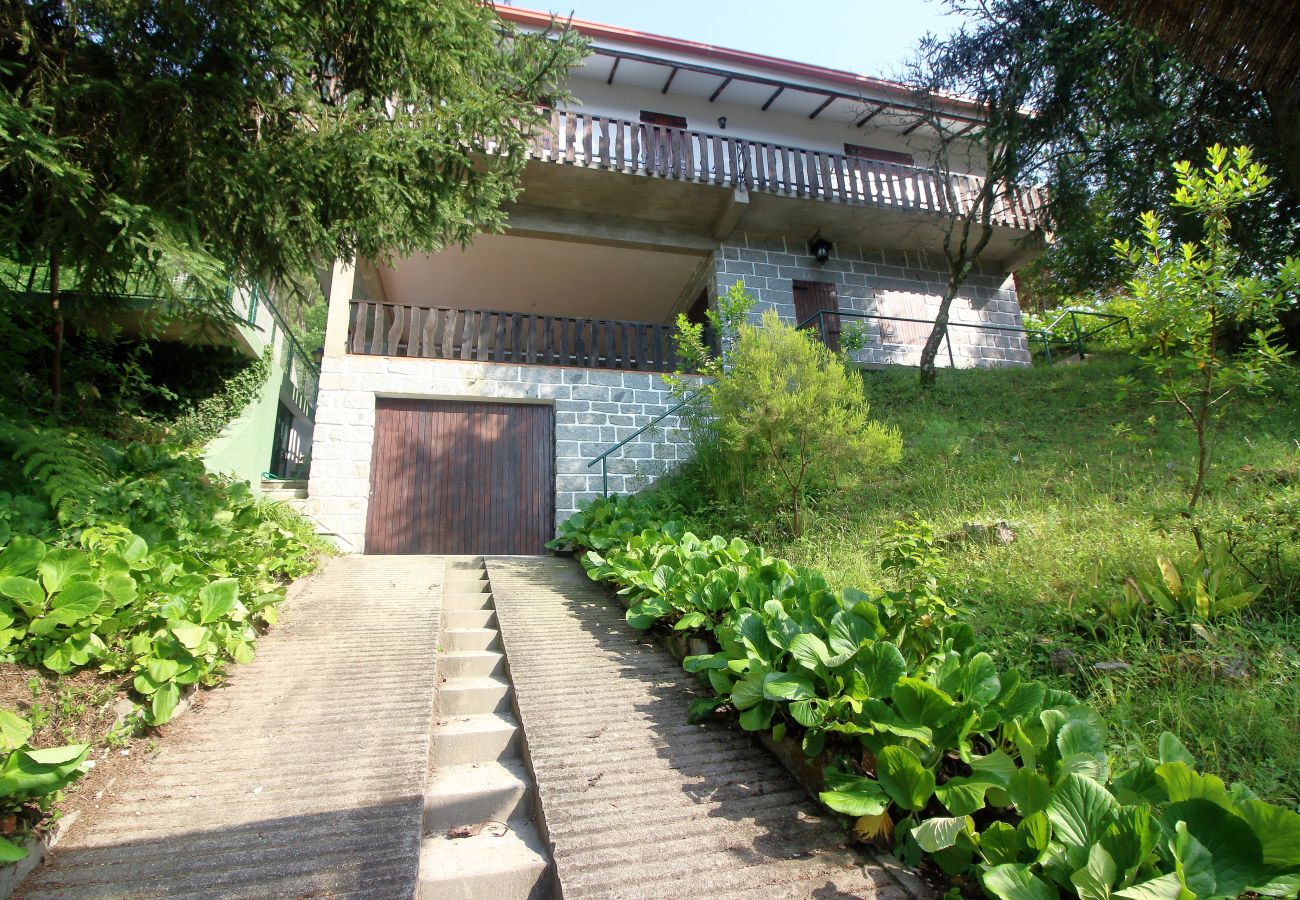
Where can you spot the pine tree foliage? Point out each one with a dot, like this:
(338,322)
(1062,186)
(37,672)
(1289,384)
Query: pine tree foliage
(67,468)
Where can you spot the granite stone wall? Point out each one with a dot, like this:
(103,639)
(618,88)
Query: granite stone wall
(901,283)
(593,409)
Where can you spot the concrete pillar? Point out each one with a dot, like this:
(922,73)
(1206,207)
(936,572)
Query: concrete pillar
(340,297)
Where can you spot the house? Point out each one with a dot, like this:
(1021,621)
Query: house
(465,394)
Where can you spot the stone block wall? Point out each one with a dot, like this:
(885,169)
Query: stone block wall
(885,282)
(593,409)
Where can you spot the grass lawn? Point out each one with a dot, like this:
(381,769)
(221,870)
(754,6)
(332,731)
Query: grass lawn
(1093,492)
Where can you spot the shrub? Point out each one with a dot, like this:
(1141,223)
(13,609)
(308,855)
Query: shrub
(932,746)
(1187,297)
(793,418)
(134,560)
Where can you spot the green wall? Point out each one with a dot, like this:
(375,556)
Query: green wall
(243,449)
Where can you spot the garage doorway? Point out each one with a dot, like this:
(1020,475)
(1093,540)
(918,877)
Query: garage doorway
(461,477)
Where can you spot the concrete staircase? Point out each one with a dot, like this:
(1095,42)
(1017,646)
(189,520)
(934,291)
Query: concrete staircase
(481,837)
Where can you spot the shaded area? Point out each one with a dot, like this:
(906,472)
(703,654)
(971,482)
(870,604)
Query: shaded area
(636,801)
(304,776)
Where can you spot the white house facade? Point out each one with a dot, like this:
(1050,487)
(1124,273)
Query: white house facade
(464,395)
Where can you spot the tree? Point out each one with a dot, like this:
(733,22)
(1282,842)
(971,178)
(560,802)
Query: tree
(999,73)
(1185,295)
(1114,108)
(251,142)
(795,411)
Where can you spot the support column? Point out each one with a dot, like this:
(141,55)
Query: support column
(342,278)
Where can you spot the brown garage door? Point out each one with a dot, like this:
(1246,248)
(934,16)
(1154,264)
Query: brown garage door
(459,477)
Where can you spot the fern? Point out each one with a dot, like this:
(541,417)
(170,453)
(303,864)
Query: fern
(68,469)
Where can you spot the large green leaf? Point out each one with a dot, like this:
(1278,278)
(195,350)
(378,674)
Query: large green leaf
(1235,854)
(217,599)
(962,796)
(979,681)
(880,665)
(784,686)
(14,730)
(11,852)
(1000,843)
(189,634)
(1081,810)
(1278,831)
(909,783)
(1181,782)
(810,651)
(1030,791)
(847,633)
(921,703)
(854,795)
(758,717)
(1166,887)
(21,556)
(1172,750)
(27,774)
(1013,881)
(996,768)
(26,592)
(939,833)
(809,713)
(1095,880)
(747,692)
(59,566)
(162,706)
(77,602)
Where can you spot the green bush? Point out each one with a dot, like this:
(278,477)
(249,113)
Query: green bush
(134,560)
(790,418)
(931,743)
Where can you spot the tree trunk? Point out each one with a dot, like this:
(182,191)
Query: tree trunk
(794,509)
(937,334)
(56,357)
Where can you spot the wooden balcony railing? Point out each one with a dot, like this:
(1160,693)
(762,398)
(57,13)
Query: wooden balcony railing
(616,144)
(484,335)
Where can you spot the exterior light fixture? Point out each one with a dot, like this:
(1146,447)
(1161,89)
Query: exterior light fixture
(820,248)
(722,122)
(317,356)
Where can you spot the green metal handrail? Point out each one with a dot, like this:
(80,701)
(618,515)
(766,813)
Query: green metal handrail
(1044,335)
(603,458)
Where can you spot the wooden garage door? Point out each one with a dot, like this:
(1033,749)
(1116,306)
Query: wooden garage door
(461,477)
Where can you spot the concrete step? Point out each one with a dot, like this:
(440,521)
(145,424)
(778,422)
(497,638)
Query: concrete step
(470,739)
(453,664)
(474,793)
(463,564)
(469,618)
(466,583)
(285,495)
(473,696)
(471,639)
(461,600)
(488,866)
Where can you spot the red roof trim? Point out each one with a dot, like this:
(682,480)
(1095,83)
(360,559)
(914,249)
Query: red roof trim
(788,67)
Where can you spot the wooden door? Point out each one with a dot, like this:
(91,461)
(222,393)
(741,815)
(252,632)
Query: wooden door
(811,297)
(461,477)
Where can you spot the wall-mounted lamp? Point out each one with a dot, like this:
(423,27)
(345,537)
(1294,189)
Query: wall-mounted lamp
(722,122)
(820,248)
(317,356)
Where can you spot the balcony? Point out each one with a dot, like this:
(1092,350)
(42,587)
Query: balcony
(381,328)
(618,145)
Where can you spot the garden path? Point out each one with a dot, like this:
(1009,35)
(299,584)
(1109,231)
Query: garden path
(636,801)
(302,777)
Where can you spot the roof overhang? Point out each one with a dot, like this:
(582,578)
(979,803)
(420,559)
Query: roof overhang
(673,65)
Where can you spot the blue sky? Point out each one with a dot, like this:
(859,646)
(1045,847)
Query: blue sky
(871,37)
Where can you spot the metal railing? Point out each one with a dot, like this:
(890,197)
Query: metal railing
(603,458)
(1045,335)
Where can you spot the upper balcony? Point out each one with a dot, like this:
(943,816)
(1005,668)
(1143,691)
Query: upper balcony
(619,145)
(689,189)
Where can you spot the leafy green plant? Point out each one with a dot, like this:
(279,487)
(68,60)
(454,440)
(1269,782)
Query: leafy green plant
(159,571)
(31,778)
(930,745)
(795,414)
(1206,587)
(1186,297)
